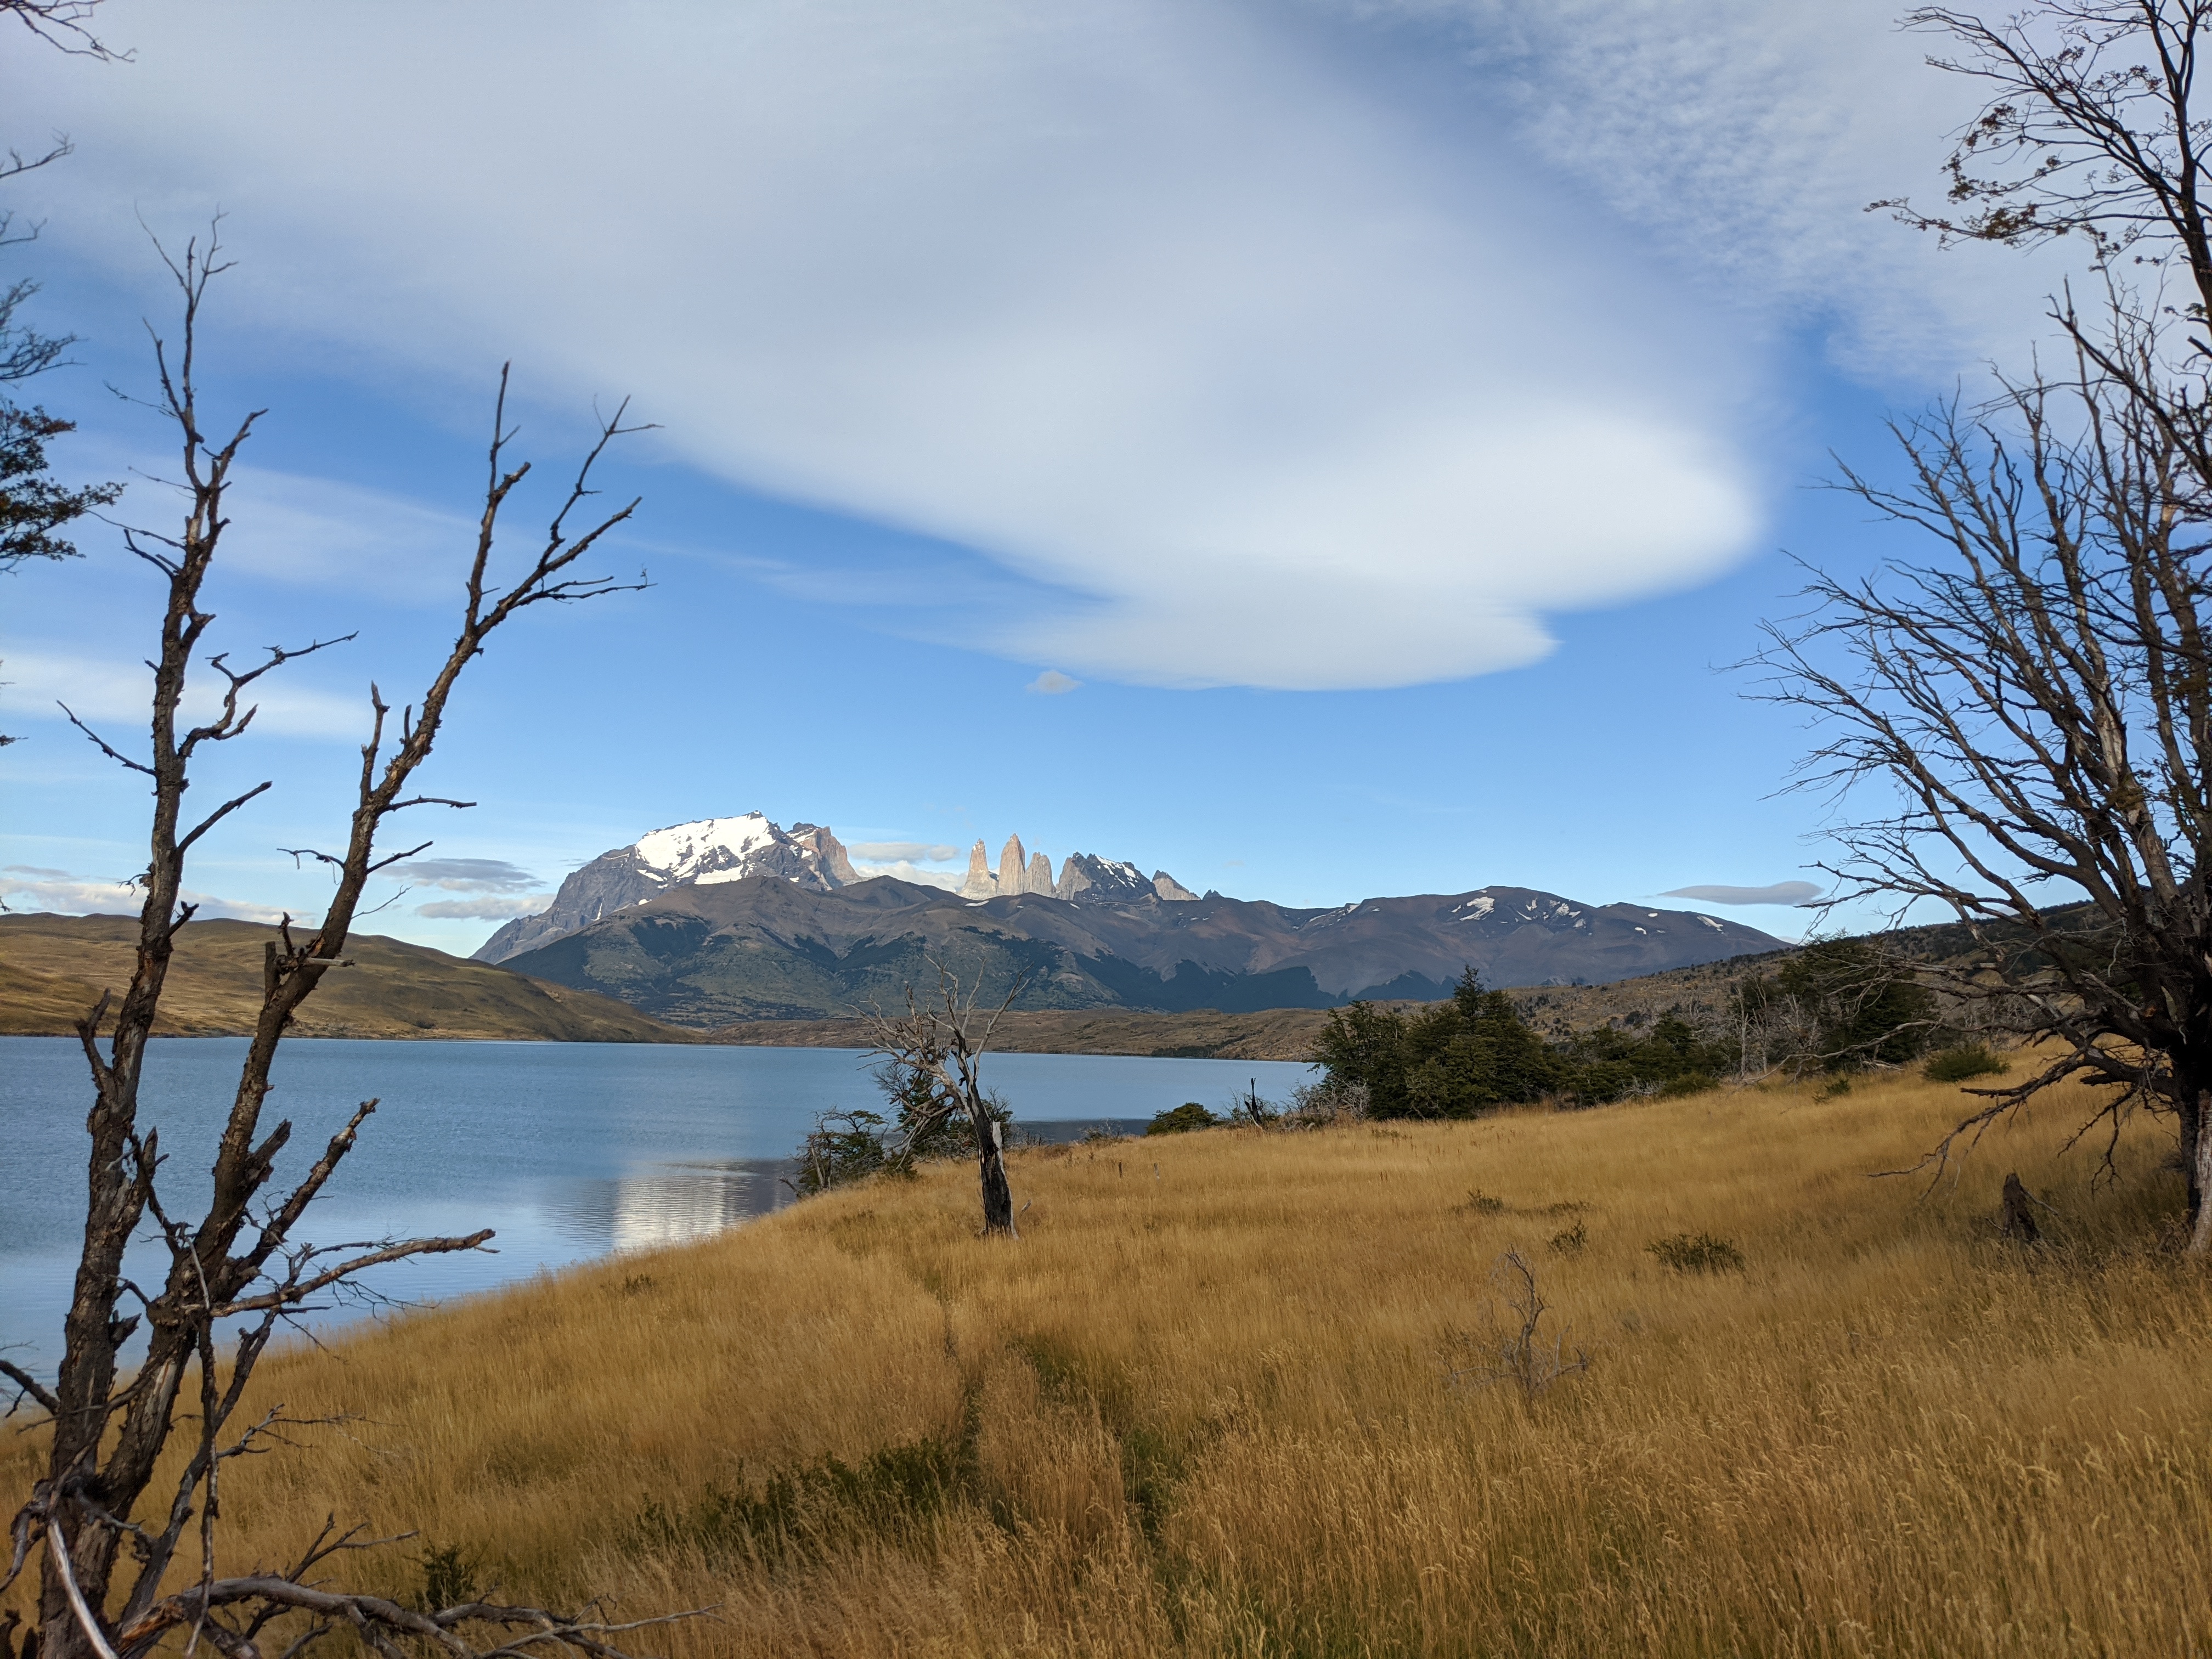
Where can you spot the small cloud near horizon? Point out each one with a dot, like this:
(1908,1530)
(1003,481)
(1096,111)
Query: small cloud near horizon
(1780,892)
(25,888)
(466,876)
(488,907)
(897,851)
(1052,683)
(907,870)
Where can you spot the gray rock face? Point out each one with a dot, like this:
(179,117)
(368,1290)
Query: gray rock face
(1086,878)
(980,883)
(1013,866)
(706,852)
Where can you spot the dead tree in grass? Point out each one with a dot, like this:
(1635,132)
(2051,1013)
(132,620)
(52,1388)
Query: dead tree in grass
(933,1055)
(242,1265)
(1513,1351)
(2031,701)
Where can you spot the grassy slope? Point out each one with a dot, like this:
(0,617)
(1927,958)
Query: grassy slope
(54,968)
(1206,1412)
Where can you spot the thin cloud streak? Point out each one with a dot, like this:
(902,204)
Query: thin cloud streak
(1780,892)
(104,689)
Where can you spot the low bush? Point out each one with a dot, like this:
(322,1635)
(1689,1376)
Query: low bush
(1182,1120)
(1697,1253)
(882,1496)
(1966,1062)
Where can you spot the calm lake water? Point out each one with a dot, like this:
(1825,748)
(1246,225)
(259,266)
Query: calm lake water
(570,1150)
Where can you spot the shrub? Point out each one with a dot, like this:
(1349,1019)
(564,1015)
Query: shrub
(1697,1253)
(1483,1204)
(840,1148)
(1968,1060)
(449,1578)
(1182,1120)
(1572,1240)
(1457,1059)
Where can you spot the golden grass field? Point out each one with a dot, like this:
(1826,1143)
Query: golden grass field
(1201,1406)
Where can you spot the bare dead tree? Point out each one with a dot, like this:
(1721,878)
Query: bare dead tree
(1514,1350)
(2033,705)
(242,1264)
(2036,711)
(934,1052)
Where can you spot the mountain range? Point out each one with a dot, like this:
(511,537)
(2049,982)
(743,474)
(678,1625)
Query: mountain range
(778,926)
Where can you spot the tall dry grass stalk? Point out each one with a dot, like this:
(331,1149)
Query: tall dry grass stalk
(1207,1411)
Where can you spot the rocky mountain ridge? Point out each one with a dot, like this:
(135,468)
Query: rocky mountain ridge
(1105,880)
(707,954)
(709,852)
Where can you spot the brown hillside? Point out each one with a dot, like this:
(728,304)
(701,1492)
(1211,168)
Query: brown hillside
(52,969)
(1274,1034)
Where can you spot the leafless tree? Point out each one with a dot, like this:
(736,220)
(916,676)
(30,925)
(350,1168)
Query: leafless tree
(2034,703)
(933,1053)
(243,1265)
(1515,1350)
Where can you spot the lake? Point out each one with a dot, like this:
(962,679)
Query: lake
(571,1151)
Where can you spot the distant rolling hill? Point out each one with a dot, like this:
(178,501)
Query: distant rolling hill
(52,969)
(767,948)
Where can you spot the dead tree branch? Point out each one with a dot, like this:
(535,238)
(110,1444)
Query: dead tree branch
(239,1265)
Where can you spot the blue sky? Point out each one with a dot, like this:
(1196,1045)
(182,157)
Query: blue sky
(1392,417)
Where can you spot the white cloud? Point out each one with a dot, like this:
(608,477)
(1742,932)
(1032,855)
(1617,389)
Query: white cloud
(466,876)
(934,852)
(1780,892)
(60,894)
(1281,382)
(1052,683)
(113,696)
(488,907)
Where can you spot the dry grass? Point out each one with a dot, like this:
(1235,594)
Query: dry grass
(1205,1411)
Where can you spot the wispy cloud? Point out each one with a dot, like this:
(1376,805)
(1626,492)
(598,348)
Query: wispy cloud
(1052,683)
(62,894)
(104,689)
(1748,137)
(1780,892)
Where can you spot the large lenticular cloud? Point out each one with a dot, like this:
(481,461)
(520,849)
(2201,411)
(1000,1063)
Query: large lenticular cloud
(1269,382)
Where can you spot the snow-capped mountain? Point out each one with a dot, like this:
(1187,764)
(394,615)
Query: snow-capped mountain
(706,955)
(701,854)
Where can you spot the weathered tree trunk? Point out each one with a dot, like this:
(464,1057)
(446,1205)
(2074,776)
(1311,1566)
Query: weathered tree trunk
(2197,1162)
(991,1161)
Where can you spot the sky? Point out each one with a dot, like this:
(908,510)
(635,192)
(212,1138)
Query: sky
(1320,449)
